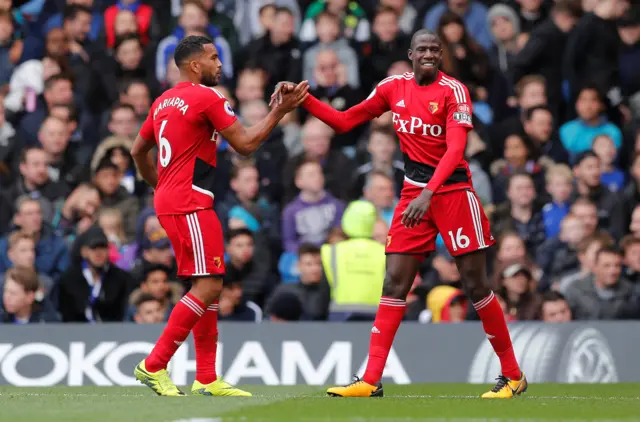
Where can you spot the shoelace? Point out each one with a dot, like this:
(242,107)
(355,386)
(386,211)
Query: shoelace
(356,380)
(502,381)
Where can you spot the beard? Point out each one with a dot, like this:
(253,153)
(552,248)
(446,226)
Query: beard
(210,79)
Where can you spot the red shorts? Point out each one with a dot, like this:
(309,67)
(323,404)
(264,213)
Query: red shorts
(457,215)
(197,242)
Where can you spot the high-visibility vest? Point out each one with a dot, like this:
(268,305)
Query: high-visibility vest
(355,270)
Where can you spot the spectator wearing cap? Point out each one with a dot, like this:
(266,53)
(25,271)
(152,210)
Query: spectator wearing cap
(92,290)
(555,308)
(473,12)
(355,267)
(107,179)
(156,282)
(20,304)
(233,306)
(148,310)
(52,255)
(312,288)
(578,135)
(516,285)
(606,294)
(244,265)
(587,171)
(504,25)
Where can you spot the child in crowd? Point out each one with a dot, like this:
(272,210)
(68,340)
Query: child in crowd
(559,185)
(612,177)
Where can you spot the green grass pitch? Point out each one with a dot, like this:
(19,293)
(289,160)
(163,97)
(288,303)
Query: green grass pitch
(406,403)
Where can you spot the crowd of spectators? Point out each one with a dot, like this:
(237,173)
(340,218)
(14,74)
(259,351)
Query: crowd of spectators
(555,153)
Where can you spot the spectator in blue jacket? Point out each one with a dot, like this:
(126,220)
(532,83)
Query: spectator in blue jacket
(52,256)
(577,135)
(474,14)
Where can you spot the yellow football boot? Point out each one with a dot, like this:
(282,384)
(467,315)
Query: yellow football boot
(219,388)
(507,388)
(357,388)
(159,382)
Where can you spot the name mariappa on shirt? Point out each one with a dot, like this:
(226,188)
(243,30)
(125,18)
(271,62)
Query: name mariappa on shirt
(176,102)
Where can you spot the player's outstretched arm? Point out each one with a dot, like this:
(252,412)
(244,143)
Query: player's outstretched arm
(247,140)
(142,156)
(340,121)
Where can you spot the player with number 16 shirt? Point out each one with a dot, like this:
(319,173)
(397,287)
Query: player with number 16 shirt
(432,114)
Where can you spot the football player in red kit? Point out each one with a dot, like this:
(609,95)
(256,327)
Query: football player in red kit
(432,116)
(185,123)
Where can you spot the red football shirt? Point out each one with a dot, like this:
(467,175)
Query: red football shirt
(421,117)
(185,121)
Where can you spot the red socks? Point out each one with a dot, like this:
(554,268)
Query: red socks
(205,335)
(497,332)
(388,318)
(184,316)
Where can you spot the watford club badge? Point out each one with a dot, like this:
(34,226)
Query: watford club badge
(433,107)
(217,261)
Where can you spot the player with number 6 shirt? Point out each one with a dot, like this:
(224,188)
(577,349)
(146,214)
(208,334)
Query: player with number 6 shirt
(184,123)
(432,114)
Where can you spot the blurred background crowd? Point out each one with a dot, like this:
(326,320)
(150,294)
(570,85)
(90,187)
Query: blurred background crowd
(555,157)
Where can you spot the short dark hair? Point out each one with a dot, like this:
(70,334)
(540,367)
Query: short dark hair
(590,86)
(126,37)
(72,11)
(243,231)
(153,268)
(603,238)
(49,83)
(117,106)
(528,114)
(144,298)
(71,108)
(308,249)
(126,83)
(384,130)
(570,7)
(552,296)
(27,150)
(583,156)
(385,9)
(518,173)
(191,45)
(241,165)
(421,32)
(610,249)
(628,241)
(283,9)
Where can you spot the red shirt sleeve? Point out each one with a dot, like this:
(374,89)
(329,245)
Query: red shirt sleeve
(343,121)
(146,131)
(458,105)
(218,112)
